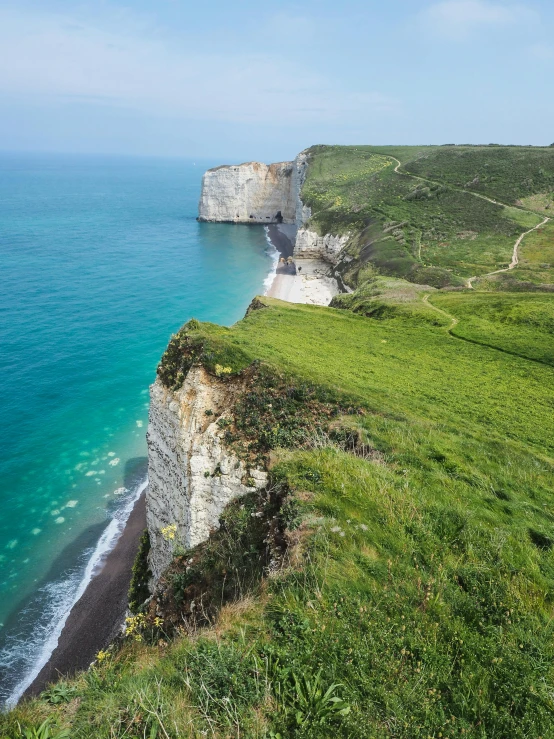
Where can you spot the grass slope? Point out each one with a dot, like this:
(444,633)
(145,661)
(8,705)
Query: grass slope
(522,324)
(418,586)
(437,230)
(506,173)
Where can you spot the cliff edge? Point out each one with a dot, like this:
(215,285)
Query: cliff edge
(192,473)
(257,193)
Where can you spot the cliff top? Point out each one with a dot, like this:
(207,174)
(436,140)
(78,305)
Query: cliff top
(419,538)
(249,164)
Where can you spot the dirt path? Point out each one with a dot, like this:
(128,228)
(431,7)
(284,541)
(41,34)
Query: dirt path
(453,320)
(515,254)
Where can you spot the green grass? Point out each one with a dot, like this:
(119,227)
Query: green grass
(420,570)
(398,366)
(507,173)
(536,257)
(434,232)
(522,324)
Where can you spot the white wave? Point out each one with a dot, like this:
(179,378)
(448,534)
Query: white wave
(64,595)
(274,254)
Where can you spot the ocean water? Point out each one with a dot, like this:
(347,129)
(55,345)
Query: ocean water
(101,260)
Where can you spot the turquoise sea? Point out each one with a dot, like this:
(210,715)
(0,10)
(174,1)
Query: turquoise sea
(101,260)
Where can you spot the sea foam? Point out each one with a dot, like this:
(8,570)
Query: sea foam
(59,598)
(274,254)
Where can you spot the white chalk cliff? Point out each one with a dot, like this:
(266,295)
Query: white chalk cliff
(310,245)
(248,193)
(192,474)
(261,193)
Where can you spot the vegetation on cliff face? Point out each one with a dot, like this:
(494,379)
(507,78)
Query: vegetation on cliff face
(435,220)
(412,591)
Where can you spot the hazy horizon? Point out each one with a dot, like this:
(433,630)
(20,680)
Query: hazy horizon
(244,82)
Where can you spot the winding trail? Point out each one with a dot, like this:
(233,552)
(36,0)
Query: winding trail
(515,254)
(453,320)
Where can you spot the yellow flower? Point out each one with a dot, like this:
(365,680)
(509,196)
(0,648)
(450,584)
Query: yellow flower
(134,624)
(220,370)
(168,532)
(102,656)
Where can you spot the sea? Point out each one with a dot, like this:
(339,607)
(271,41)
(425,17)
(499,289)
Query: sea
(101,261)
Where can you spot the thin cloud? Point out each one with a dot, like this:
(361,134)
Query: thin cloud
(60,56)
(544,52)
(457,18)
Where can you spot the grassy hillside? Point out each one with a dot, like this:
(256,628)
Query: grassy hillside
(396,578)
(434,220)
(506,173)
(522,324)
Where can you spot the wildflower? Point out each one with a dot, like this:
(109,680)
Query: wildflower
(220,370)
(102,656)
(134,624)
(168,532)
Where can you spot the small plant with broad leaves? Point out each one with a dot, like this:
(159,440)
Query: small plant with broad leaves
(312,704)
(59,693)
(44,731)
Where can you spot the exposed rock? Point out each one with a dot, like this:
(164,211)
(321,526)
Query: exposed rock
(302,212)
(261,193)
(192,474)
(249,193)
(256,304)
(311,245)
(255,193)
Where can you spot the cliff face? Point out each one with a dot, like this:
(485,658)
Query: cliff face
(192,475)
(249,193)
(261,193)
(310,245)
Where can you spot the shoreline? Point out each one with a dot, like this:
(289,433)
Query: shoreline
(97,616)
(311,282)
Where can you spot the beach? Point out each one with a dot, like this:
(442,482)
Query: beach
(308,281)
(97,617)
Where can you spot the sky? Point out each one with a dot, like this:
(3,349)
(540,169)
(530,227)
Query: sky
(255,80)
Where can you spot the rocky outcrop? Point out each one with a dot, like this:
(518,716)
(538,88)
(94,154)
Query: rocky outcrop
(249,193)
(255,193)
(261,193)
(302,212)
(192,474)
(310,245)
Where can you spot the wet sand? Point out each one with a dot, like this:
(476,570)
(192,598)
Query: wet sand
(282,237)
(97,617)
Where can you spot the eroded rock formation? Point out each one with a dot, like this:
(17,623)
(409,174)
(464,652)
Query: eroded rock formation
(261,193)
(249,193)
(192,473)
(310,245)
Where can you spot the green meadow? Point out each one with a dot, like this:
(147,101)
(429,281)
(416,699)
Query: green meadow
(411,476)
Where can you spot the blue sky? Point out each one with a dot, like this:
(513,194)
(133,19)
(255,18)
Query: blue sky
(248,80)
